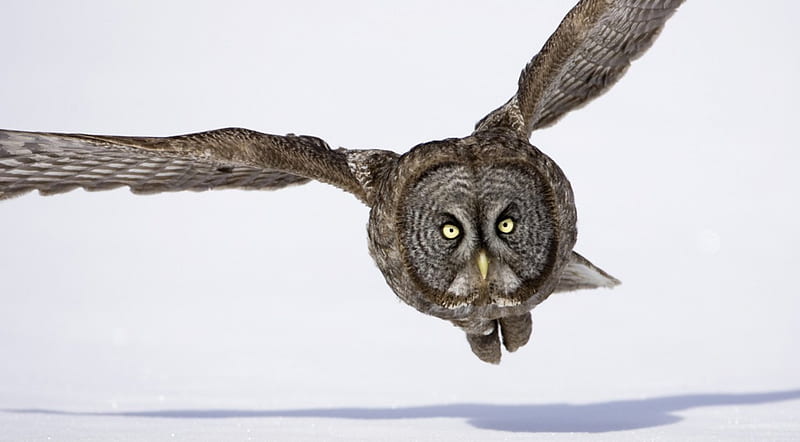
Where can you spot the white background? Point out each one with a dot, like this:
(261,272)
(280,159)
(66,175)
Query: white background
(232,315)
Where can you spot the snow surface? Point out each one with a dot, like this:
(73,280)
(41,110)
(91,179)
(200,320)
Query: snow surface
(259,315)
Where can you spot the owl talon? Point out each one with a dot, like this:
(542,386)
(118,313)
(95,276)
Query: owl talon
(486,346)
(516,331)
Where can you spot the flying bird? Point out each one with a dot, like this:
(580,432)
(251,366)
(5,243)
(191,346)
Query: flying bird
(475,230)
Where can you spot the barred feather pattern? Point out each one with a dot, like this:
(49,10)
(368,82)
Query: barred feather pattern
(589,52)
(53,163)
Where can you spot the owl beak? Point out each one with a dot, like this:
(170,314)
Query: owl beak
(483,264)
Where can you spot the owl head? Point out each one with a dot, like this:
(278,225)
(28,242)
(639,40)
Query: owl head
(479,226)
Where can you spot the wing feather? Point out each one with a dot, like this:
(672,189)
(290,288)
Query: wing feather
(589,52)
(220,159)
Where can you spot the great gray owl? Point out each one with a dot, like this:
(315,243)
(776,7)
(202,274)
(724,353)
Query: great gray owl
(475,230)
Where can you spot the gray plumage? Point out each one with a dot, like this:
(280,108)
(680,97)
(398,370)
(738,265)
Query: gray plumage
(476,230)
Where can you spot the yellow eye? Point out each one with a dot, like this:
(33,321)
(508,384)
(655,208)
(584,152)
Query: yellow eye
(506,225)
(451,231)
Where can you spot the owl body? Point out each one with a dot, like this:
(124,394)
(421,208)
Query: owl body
(473,183)
(475,230)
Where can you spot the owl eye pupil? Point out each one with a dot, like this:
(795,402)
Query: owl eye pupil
(450,231)
(506,225)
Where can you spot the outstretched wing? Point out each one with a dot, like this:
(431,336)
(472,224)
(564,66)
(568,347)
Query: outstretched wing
(591,49)
(224,158)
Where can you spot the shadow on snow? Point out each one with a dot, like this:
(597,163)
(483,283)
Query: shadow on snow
(590,418)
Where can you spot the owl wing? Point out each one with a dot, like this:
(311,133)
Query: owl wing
(225,158)
(591,49)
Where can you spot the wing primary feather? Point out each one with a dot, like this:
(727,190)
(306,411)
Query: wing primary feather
(220,159)
(590,50)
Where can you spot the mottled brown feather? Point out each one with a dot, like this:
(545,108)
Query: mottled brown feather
(589,52)
(224,158)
